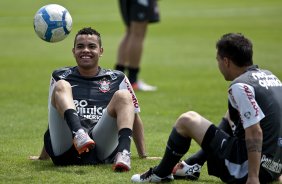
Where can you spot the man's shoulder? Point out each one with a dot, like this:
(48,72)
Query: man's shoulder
(62,72)
(111,72)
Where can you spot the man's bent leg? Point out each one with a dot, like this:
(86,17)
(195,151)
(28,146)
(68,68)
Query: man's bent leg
(188,125)
(121,107)
(191,167)
(62,100)
(105,134)
(60,133)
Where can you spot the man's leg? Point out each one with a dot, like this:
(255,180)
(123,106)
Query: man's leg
(122,56)
(62,109)
(191,167)
(137,33)
(121,107)
(114,130)
(188,126)
(130,50)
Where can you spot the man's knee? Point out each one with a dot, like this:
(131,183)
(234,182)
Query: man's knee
(123,96)
(62,85)
(186,119)
(60,89)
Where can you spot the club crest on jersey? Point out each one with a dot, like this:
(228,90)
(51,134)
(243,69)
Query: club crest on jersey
(104,85)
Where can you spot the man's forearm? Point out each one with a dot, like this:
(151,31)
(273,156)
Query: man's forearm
(138,136)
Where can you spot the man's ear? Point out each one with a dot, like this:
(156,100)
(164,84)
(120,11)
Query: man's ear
(226,61)
(101,51)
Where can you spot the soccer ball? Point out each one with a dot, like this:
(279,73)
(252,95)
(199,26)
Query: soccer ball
(52,23)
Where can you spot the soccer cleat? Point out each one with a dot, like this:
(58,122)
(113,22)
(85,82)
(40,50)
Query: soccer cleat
(150,177)
(82,141)
(183,170)
(122,161)
(142,86)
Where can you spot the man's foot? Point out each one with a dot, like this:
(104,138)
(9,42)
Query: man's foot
(82,141)
(150,177)
(142,86)
(183,170)
(122,161)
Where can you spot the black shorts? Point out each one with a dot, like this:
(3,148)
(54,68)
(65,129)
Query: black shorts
(134,10)
(71,157)
(228,158)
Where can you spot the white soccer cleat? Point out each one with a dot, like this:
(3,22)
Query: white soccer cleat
(150,177)
(122,161)
(82,141)
(142,86)
(183,170)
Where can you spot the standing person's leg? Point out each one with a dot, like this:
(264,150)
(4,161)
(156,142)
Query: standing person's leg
(137,33)
(114,130)
(188,126)
(122,56)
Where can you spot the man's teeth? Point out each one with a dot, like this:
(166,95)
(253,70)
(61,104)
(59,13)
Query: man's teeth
(85,57)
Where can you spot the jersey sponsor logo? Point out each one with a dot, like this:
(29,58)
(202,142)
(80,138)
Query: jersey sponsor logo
(266,81)
(89,112)
(104,85)
(251,99)
(134,99)
(271,165)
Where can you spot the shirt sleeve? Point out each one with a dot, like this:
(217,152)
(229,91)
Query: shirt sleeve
(242,98)
(125,84)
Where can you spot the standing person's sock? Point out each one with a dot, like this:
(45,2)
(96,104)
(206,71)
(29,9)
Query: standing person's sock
(124,139)
(72,120)
(132,74)
(177,146)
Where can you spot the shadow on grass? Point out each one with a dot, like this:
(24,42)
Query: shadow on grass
(47,165)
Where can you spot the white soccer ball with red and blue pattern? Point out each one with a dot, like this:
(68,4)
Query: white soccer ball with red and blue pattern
(52,23)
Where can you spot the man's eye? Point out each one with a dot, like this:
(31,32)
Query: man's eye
(92,46)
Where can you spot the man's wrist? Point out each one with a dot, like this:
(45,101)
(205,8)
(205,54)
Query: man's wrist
(144,155)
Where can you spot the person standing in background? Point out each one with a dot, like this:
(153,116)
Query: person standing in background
(136,14)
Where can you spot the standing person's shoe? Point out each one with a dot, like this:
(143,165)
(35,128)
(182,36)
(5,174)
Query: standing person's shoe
(122,161)
(142,86)
(184,171)
(82,141)
(150,177)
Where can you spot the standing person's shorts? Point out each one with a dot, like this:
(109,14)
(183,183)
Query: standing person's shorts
(139,11)
(58,141)
(228,157)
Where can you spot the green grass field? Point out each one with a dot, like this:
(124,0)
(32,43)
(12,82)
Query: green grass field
(179,57)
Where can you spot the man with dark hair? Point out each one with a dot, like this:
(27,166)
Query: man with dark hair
(247,145)
(93,112)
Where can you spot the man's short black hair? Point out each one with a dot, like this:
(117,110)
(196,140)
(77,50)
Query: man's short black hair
(236,47)
(89,31)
